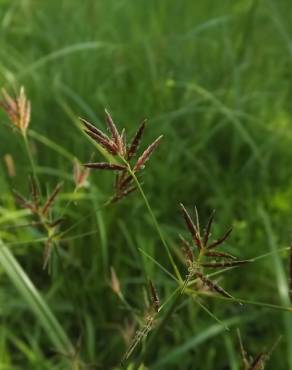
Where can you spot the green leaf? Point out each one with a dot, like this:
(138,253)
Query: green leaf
(34,300)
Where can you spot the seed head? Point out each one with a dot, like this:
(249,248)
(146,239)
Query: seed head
(116,144)
(18,109)
(80,174)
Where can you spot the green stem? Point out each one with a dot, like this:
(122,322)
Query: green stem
(31,161)
(155,222)
(247,301)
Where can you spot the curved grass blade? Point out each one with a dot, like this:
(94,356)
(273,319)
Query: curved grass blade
(34,300)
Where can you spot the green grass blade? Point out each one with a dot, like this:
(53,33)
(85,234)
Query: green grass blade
(281,280)
(24,285)
(193,342)
(64,52)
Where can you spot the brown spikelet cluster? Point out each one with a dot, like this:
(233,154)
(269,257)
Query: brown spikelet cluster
(148,323)
(41,213)
(260,360)
(116,145)
(17,108)
(205,256)
(80,174)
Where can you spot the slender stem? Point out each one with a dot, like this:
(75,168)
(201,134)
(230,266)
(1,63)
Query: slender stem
(31,161)
(154,219)
(247,301)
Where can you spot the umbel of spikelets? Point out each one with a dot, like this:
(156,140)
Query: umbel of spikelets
(202,253)
(42,214)
(116,145)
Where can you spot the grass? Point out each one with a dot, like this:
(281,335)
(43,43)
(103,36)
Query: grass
(212,77)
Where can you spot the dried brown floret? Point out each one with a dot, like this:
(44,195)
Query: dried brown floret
(49,202)
(18,109)
(105,166)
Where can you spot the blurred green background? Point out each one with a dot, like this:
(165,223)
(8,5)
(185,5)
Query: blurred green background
(215,78)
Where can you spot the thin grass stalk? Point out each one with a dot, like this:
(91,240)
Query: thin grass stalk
(243,301)
(154,219)
(69,287)
(32,163)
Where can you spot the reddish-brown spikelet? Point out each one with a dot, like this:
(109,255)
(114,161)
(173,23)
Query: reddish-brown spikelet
(259,362)
(132,150)
(208,228)
(91,128)
(146,154)
(154,297)
(187,251)
(49,202)
(213,286)
(105,166)
(191,226)
(98,136)
(220,240)
(125,181)
(115,133)
(108,145)
(122,194)
(22,201)
(262,358)
(220,255)
(34,192)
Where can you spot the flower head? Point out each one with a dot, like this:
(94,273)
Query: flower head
(18,109)
(116,145)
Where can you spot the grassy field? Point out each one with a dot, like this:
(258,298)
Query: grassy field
(214,77)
